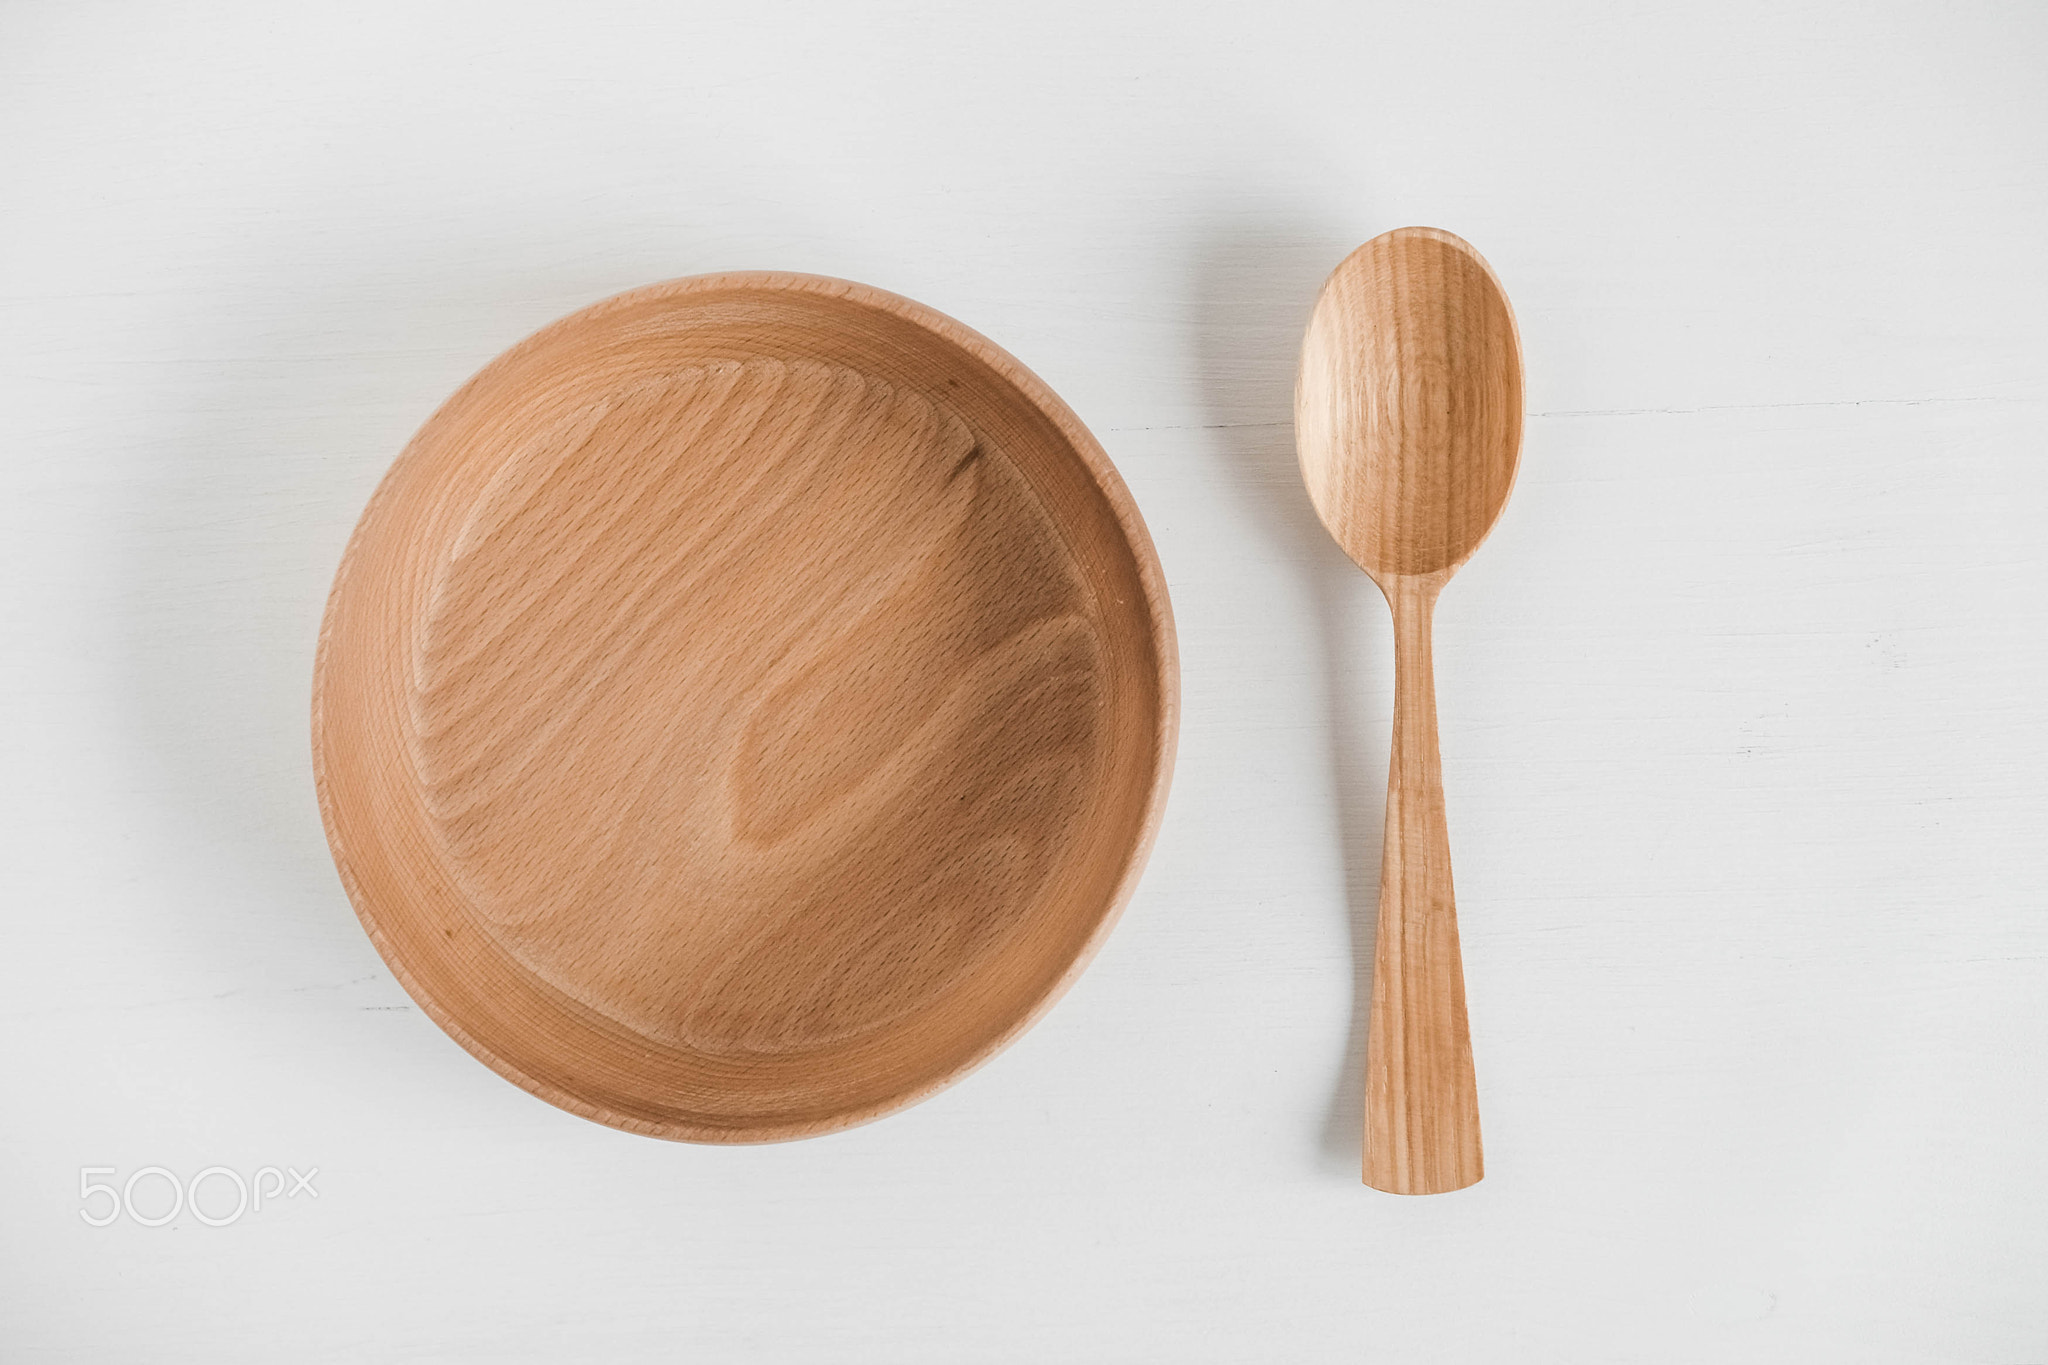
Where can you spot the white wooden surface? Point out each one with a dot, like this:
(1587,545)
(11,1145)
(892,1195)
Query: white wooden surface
(1744,721)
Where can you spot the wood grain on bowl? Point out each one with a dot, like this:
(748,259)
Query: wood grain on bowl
(744,707)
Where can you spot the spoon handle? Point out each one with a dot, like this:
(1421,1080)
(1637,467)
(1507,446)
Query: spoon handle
(1421,1103)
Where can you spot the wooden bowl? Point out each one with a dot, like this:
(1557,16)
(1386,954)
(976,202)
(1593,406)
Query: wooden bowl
(744,707)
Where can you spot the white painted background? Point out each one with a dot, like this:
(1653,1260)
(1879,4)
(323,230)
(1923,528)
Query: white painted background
(1743,703)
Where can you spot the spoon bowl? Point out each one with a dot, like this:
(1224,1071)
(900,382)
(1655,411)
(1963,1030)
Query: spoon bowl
(1408,418)
(1408,422)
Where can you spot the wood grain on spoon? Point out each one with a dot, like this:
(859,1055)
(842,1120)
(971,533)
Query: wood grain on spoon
(1408,422)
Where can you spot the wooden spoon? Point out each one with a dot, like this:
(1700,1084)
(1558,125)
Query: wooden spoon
(1408,421)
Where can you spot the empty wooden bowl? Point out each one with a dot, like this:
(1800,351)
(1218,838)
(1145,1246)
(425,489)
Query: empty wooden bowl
(744,707)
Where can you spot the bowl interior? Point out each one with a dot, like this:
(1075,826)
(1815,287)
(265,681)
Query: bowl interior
(744,706)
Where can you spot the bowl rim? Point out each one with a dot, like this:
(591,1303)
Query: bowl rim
(1166,680)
